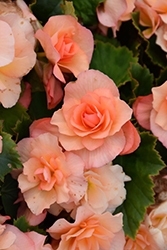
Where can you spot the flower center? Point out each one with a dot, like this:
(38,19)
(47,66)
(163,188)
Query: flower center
(49,174)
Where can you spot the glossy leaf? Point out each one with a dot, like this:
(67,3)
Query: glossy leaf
(113,62)
(140,166)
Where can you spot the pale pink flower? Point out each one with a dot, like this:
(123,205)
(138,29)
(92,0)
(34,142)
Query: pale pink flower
(105,188)
(11,238)
(132,138)
(156,222)
(91,119)
(161,39)
(67,45)
(53,88)
(112,12)
(142,109)
(150,111)
(1,143)
(148,18)
(16,34)
(23,210)
(49,175)
(143,241)
(25,99)
(42,126)
(90,231)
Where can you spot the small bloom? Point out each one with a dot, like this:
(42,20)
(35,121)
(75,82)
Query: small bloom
(150,111)
(91,119)
(49,175)
(105,188)
(144,240)
(156,222)
(16,34)
(112,12)
(90,231)
(67,45)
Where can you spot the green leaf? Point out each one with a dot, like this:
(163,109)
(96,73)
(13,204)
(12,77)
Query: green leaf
(68,9)
(140,165)
(143,78)
(43,9)
(9,157)
(154,52)
(9,194)
(11,116)
(24,226)
(21,224)
(113,62)
(86,10)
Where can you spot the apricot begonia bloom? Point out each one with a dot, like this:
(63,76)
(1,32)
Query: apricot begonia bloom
(11,238)
(143,241)
(156,221)
(16,34)
(105,188)
(152,109)
(90,231)
(148,18)
(67,45)
(112,12)
(49,175)
(42,126)
(91,119)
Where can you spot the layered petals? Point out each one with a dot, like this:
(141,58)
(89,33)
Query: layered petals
(49,175)
(15,61)
(91,119)
(89,231)
(67,45)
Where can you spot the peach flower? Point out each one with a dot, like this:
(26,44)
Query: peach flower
(90,231)
(42,126)
(53,88)
(112,12)
(23,210)
(91,119)
(49,175)
(156,222)
(67,45)
(148,18)
(105,188)
(16,34)
(150,111)
(11,238)
(143,241)
(161,39)
(1,143)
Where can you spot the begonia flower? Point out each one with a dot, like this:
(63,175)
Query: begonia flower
(161,39)
(148,18)
(42,126)
(67,45)
(11,238)
(53,88)
(112,12)
(143,240)
(156,222)
(23,210)
(150,111)
(16,34)
(105,188)
(1,143)
(89,231)
(91,119)
(49,175)
(25,99)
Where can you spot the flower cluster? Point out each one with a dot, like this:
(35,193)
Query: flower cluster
(82,124)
